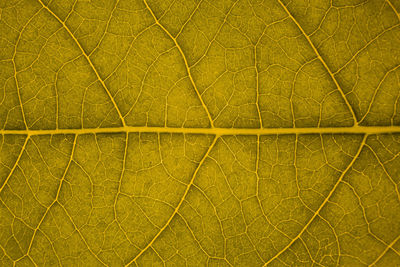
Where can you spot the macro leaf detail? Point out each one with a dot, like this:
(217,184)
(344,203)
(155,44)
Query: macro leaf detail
(199,133)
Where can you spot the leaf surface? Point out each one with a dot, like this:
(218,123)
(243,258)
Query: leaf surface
(199,133)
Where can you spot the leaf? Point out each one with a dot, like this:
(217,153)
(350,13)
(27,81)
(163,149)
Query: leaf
(199,133)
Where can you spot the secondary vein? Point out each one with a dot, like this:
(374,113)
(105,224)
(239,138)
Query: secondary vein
(316,213)
(180,202)
(185,61)
(88,60)
(322,61)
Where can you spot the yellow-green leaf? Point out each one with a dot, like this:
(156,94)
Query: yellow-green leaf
(199,133)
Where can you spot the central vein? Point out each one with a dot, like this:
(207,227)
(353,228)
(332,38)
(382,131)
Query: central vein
(215,131)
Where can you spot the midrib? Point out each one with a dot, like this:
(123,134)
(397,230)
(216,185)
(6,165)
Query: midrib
(215,131)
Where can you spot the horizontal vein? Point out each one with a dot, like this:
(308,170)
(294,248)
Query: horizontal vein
(216,131)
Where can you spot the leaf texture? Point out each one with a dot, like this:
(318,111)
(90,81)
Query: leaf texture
(199,133)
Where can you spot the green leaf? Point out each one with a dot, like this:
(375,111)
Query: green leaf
(199,133)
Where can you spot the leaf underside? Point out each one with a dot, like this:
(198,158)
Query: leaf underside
(199,133)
